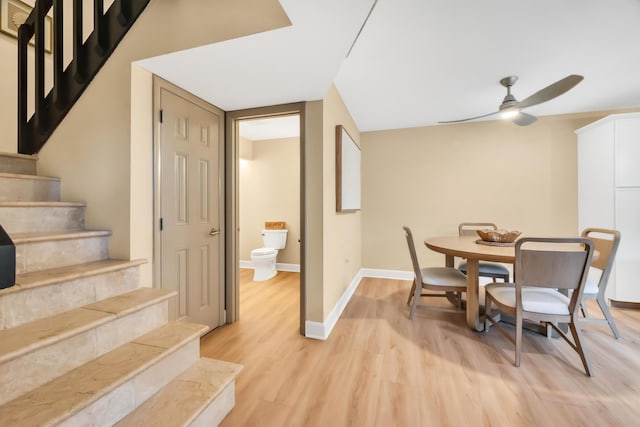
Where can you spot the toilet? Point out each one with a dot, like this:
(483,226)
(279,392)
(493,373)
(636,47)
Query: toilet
(264,259)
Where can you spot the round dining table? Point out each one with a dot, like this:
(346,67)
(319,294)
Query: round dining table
(466,247)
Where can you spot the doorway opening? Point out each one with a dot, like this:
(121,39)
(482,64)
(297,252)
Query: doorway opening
(265,191)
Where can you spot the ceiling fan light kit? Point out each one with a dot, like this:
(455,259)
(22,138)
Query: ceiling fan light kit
(511,109)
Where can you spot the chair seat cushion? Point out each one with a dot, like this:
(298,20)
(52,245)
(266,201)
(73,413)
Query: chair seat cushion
(443,276)
(535,300)
(489,268)
(593,278)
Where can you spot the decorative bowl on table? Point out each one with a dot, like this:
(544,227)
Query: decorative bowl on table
(498,236)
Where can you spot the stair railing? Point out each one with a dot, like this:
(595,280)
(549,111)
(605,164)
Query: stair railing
(88,56)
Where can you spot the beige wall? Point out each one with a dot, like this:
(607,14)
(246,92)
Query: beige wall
(342,247)
(432,178)
(270,191)
(314,231)
(92,150)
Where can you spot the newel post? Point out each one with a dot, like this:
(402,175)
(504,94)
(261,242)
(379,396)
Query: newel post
(7,260)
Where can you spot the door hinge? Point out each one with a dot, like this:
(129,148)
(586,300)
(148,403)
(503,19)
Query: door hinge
(161,116)
(161,224)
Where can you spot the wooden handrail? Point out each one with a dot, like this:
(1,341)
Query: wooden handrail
(69,83)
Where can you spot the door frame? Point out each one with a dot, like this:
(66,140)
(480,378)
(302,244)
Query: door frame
(232,157)
(159,84)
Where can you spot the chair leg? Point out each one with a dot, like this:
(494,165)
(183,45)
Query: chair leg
(577,338)
(416,296)
(607,314)
(487,313)
(413,288)
(583,308)
(518,338)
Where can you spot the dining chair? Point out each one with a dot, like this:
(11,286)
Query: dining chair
(606,242)
(485,269)
(544,277)
(442,279)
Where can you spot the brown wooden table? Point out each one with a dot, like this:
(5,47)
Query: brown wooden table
(466,247)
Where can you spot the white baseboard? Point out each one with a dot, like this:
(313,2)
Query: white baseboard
(322,330)
(280,266)
(245,264)
(387,274)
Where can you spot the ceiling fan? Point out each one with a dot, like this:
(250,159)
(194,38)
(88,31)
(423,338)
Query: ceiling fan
(512,109)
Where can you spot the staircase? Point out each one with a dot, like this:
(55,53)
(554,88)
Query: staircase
(80,342)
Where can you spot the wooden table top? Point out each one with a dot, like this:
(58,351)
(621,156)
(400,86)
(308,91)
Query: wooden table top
(466,247)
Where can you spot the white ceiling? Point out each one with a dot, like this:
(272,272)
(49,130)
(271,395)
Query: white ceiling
(418,62)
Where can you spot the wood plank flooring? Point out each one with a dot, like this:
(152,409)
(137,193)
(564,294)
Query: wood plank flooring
(378,368)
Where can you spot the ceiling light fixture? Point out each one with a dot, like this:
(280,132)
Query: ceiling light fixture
(509,114)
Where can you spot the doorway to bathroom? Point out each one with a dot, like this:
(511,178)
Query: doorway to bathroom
(265,185)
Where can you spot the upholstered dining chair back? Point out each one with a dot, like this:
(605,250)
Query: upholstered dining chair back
(606,243)
(469,228)
(549,269)
(485,269)
(412,253)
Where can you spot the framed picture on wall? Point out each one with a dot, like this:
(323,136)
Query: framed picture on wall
(14,12)
(347,172)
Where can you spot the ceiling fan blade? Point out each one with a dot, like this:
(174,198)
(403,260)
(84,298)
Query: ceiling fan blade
(551,91)
(524,119)
(470,118)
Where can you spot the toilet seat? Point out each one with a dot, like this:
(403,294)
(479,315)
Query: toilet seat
(263,252)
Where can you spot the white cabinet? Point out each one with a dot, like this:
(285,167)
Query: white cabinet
(609,193)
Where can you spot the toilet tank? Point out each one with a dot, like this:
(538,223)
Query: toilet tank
(274,239)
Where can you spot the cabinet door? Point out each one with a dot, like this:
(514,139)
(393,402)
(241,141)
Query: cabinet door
(596,177)
(628,152)
(627,280)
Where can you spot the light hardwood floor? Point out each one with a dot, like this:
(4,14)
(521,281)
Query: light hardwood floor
(380,369)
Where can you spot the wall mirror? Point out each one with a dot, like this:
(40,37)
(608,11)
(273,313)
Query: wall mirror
(347,172)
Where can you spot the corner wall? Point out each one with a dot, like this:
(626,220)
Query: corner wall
(342,251)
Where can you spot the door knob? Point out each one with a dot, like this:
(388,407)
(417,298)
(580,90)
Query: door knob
(214,232)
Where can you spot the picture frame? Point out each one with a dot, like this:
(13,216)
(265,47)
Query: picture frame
(348,179)
(14,12)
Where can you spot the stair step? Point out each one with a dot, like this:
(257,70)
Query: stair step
(28,187)
(18,163)
(202,395)
(43,251)
(38,216)
(107,388)
(44,293)
(37,352)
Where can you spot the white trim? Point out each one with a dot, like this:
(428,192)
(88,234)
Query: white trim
(245,264)
(314,330)
(281,266)
(387,274)
(322,330)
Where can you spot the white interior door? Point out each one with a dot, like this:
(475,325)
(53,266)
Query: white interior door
(190,179)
